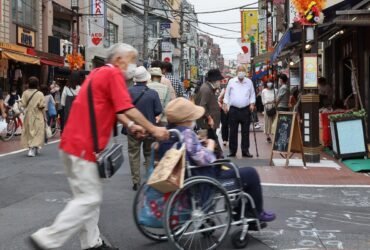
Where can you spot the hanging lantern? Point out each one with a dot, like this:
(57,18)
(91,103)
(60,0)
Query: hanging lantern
(245,49)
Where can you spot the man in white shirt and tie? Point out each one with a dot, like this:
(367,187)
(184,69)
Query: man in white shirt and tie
(240,97)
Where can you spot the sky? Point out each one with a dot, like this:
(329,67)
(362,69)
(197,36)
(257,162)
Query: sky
(229,48)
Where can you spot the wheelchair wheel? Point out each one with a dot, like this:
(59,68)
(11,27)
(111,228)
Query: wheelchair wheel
(236,240)
(198,216)
(156,234)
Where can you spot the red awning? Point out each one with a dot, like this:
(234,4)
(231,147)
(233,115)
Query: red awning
(51,63)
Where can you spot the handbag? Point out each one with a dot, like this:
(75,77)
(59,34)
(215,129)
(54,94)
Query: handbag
(3,126)
(48,132)
(51,108)
(169,174)
(271,111)
(16,108)
(111,159)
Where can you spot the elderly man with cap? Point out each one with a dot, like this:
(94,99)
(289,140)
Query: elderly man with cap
(162,90)
(240,97)
(147,101)
(209,101)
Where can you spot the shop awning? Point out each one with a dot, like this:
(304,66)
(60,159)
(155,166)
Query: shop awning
(262,58)
(281,45)
(19,57)
(51,63)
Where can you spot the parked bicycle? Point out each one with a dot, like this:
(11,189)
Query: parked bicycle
(14,122)
(55,125)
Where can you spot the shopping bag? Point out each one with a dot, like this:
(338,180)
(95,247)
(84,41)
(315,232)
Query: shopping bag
(48,132)
(168,175)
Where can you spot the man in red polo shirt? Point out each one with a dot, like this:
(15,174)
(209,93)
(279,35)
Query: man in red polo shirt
(111,101)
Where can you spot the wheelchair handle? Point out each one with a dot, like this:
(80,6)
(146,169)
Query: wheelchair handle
(174,133)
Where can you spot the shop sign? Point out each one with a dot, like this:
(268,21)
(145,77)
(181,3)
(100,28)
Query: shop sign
(1,11)
(96,23)
(310,70)
(294,77)
(13,47)
(192,56)
(249,25)
(26,37)
(292,13)
(193,73)
(167,57)
(167,46)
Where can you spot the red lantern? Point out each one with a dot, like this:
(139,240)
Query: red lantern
(245,49)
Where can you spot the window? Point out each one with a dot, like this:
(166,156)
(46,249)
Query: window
(24,12)
(112,33)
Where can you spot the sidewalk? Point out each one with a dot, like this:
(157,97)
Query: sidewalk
(295,175)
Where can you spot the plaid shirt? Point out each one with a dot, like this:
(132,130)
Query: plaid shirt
(176,85)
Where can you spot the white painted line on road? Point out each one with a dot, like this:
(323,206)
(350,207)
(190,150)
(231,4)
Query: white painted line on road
(343,221)
(313,185)
(25,149)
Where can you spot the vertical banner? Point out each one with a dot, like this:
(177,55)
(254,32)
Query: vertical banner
(310,69)
(292,13)
(1,11)
(249,20)
(96,24)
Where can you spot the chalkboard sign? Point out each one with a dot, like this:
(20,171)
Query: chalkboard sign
(283,132)
(287,137)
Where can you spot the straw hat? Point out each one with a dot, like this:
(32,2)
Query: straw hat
(141,75)
(155,71)
(182,110)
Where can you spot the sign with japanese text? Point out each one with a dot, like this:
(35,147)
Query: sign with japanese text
(250,23)
(26,37)
(193,73)
(310,71)
(96,24)
(262,43)
(292,13)
(192,56)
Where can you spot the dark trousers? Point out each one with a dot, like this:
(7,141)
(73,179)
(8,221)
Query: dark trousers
(218,150)
(251,184)
(239,116)
(224,125)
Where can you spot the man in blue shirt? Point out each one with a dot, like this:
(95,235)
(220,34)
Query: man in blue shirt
(147,101)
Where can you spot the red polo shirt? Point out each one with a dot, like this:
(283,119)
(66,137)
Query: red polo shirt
(110,95)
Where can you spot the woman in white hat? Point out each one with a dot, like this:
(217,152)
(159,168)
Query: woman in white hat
(181,115)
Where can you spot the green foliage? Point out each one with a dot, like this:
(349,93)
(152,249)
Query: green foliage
(349,115)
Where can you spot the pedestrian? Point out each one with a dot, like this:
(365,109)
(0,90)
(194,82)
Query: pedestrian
(293,99)
(209,101)
(282,100)
(268,96)
(240,97)
(147,101)
(162,90)
(224,116)
(11,97)
(111,102)
(50,110)
(167,68)
(33,134)
(11,102)
(55,91)
(70,91)
(164,80)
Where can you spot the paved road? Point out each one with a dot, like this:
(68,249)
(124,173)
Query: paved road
(33,191)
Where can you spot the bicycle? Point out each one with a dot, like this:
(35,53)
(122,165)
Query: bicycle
(55,125)
(13,123)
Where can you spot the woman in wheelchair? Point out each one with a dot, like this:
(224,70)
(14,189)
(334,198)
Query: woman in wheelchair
(182,115)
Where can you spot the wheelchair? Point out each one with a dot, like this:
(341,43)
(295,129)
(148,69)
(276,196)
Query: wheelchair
(201,213)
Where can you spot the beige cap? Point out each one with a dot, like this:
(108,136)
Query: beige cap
(155,71)
(182,110)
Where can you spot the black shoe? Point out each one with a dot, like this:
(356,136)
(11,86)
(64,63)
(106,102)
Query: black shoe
(33,244)
(231,155)
(135,187)
(103,247)
(247,154)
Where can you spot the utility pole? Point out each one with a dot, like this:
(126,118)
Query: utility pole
(181,40)
(146,35)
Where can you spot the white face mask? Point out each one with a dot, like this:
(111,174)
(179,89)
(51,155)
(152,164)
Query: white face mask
(269,85)
(130,71)
(241,75)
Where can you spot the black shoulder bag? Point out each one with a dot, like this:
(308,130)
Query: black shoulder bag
(124,130)
(110,159)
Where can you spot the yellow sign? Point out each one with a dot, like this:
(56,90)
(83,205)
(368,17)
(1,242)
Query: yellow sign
(262,43)
(26,37)
(13,47)
(310,71)
(193,72)
(249,26)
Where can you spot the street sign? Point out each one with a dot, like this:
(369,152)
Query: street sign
(164,26)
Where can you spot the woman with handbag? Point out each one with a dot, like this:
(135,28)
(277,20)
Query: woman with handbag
(268,100)
(33,135)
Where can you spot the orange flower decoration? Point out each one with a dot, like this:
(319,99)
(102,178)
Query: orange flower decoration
(302,5)
(76,61)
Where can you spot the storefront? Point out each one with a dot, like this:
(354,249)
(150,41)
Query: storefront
(16,65)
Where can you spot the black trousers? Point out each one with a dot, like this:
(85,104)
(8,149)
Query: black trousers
(238,116)
(224,125)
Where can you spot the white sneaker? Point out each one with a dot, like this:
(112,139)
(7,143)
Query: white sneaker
(31,152)
(257,126)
